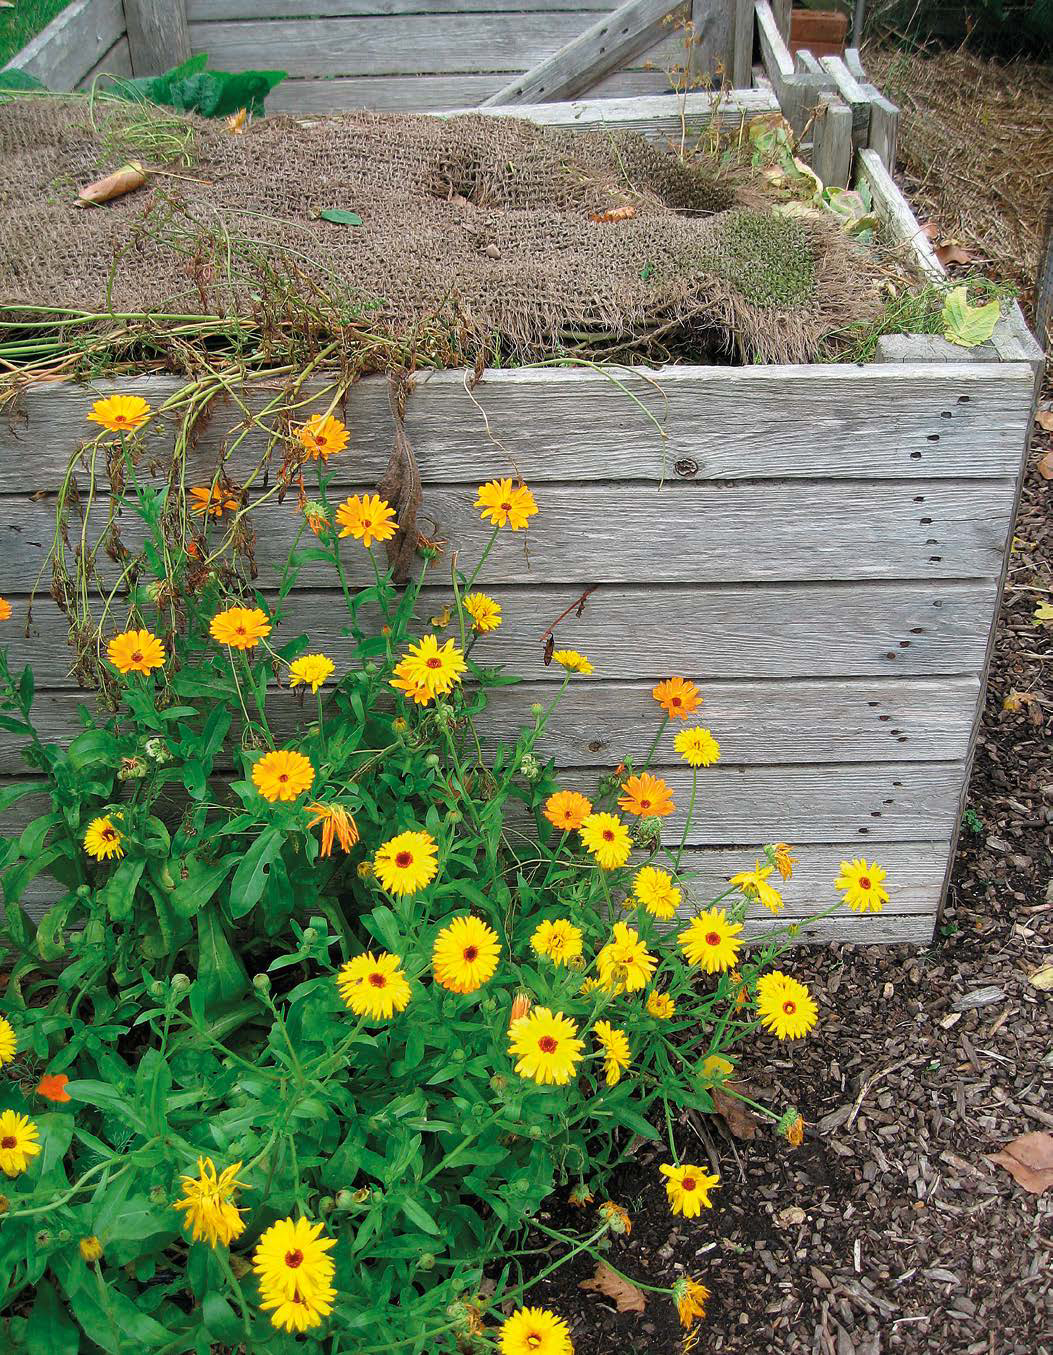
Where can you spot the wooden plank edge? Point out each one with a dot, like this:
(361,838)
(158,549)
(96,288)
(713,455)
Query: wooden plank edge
(588,114)
(79,35)
(894,211)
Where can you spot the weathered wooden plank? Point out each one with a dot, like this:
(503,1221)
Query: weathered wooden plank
(832,142)
(211,11)
(683,531)
(853,94)
(158,37)
(714,34)
(607,44)
(780,631)
(892,209)
(919,421)
(420,44)
(742,57)
(658,118)
(775,54)
(67,49)
(880,929)
(117,62)
(598,724)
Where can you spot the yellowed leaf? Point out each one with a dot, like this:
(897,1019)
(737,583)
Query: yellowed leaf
(1043,615)
(1013,702)
(1042,979)
(115,185)
(1044,419)
(627,1298)
(1029,1160)
(1045,466)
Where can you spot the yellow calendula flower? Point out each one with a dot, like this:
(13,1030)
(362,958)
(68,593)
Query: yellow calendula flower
(432,667)
(208,1204)
(646,796)
(545,1046)
(691,1299)
(697,746)
(412,691)
(861,885)
(120,413)
(535,1331)
(465,953)
(102,840)
(625,964)
(589,985)
(212,501)
(374,985)
(8,1041)
(653,888)
(779,852)
(715,1068)
(235,123)
(337,825)
(558,939)
(367,518)
(615,1046)
(321,437)
(19,1142)
(135,651)
(90,1249)
(505,504)
(688,1189)
(711,941)
(484,611)
(282,775)
(240,627)
(753,884)
(567,810)
(406,863)
(5,610)
(295,1274)
(677,696)
(785,1007)
(607,838)
(312,670)
(616,1218)
(571,661)
(660,1005)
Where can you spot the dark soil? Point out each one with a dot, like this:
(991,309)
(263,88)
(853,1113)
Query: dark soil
(889,1229)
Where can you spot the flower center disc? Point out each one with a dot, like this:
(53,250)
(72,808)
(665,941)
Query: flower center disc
(138,658)
(712,939)
(378,980)
(433,663)
(789,1008)
(294,1259)
(864,882)
(471,954)
(547,1044)
(688,1183)
(608,836)
(9,1142)
(404,860)
(506,507)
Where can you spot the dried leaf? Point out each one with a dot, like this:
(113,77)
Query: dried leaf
(1043,614)
(1045,466)
(738,1116)
(1029,1160)
(625,213)
(627,1298)
(1042,979)
(790,1217)
(1044,419)
(115,185)
(1016,701)
(965,324)
(931,230)
(953,252)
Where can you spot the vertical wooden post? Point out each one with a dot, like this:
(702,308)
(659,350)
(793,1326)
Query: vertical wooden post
(781,10)
(714,51)
(1044,282)
(158,36)
(742,65)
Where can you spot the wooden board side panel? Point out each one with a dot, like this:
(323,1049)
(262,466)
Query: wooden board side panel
(64,52)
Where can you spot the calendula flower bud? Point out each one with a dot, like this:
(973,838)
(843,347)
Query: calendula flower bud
(521,1005)
(43,1238)
(158,1195)
(84,891)
(535,1131)
(580,1195)
(426,1261)
(443,715)
(344,1199)
(131,769)
(63,1235)
(325,1204)
(262,983)
(648,831)
(309,934)
(180,983)
(791,1127)
(90,1248)
(498,1083)
(432,761)
(156,750)
(616,1218)
(362,1194)
(399,725)
(454,816)
(529,767)
(364,870)
(466,1318)
(371,667)
(157,989)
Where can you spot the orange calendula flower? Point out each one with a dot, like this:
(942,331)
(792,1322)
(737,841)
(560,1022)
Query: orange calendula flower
(5,610)
(367,518)
(571,661)
(337,825)
(212,500)
(465,955)
(240,627)
(678,697)
(688,1189)
(236,122)
(690,1298)
(317,517)
(102,839)
(616,1218)
(566,809)
(784,862)
(52,1086)
(646,796)
(135,651)
(505,504)
(411,690)
(120,413)
(8,1041)
(753,884)
(434,667)
(321,437)
(484,611)
(282,775)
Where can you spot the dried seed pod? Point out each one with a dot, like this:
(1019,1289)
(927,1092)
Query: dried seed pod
(115,185)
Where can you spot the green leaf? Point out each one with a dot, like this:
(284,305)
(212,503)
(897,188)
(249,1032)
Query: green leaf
(49,1330)
(419,1217)
(340,216)
(118,893)
(191,894)
(966,325)
(220,1319)
(11,795)
(220,974)
(381,922)
(250,878)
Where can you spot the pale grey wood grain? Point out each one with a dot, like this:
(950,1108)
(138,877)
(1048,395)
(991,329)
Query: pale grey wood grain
(776,55)
(158,36)
(117,62)
(202,11)
(62,53)
(417,44)
(658,118)
(714,22)
(742,59)
(876,929)
(832,142)
(600,723)
(893,211)
(853,94)
(709,533)
(778,630)
(924,420)
(607,44)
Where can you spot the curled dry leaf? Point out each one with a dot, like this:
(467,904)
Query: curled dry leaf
(1042,979)
(115,185)
(790,1217)
(1044,419)
(1045,466)
(738,1117)
(625,213)
(1029,1160)
(952,252)
(627,1298)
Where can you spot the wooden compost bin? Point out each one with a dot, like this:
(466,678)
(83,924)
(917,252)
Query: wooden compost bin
(821,547)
